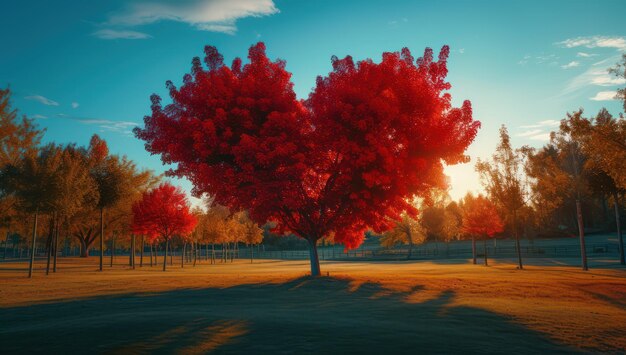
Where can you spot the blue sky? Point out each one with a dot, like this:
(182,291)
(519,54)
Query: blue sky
(85,67)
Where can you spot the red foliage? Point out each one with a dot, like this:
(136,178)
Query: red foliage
(480,217)
(162,213)
(98,149)
(369,137)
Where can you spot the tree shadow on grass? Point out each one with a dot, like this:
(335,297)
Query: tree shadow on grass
(324,315)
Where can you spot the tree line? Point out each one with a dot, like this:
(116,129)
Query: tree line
(86,196)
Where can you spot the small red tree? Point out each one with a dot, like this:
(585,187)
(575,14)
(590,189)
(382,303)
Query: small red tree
(369,137)
(480,219)
(163,212)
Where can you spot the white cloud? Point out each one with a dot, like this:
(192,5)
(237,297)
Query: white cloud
(206,15)
(604,96)
(39,117)
(544,123)
(108,33)
(462,50)
(616,42)
(585,55)
(75,104)
(42,100)
(104,124)
(529,133)
(540,137)
(571,64)
(596,75)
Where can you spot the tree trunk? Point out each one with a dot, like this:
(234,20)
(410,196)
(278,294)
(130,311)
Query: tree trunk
(132,253)
(112,248)
(56,248)
(151,254)
(485,251)
(619,230)
(101,238)
(473,250)
(517,244)
(182,256)
(581,235)
(50,242)
(170,251)
(167,242)
(251,254)
(32,254)
(410,245)
(141,252)
(84,249)
(212,253)
(6,245)
(314,258)
(195,253)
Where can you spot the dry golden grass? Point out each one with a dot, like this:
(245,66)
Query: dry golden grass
(571,308)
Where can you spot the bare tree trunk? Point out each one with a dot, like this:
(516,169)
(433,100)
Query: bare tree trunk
(151,254)
(619,230)
(141,252)
(56,247)
(167,245)
(182,256)
(50,242)
(581,235)
(84,249)
(195,253)
(410,244)
(517,244)
(167,242)
(132,253)
(101,238)
(6,245)
(112,248)
(473,250)
(32,254)
(485,250)
(314,258)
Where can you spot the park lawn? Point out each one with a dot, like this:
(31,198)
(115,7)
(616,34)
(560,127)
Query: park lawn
(271,305)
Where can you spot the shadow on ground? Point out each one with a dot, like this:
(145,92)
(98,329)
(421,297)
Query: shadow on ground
(325,315)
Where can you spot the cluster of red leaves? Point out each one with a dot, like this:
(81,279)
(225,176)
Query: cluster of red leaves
(369,137)
(163,212)
(480,217)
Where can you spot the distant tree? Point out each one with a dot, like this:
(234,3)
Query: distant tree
(619,71)
(405,231)
(35,181)
(480,219)
(504,181)
(603,141)
(19,138)
(252,233)
(162,213)
(369,137)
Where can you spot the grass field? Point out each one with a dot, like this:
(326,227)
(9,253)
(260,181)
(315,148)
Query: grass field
(272,307)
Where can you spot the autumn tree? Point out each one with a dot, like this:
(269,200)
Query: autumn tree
(480,219)
(504,180)
(19,138)
(603,141)
(34,181)
(407,230)
(252,233)
(619,71)
(162,213)
(369,137)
